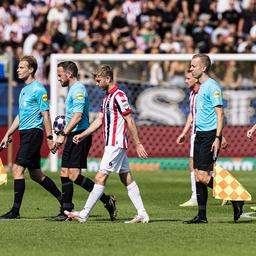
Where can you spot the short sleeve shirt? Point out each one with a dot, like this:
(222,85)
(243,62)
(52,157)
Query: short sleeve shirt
(77,101)
(33,100)
(209,96)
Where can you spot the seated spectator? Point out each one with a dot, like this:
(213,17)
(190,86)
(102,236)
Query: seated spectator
(60,14)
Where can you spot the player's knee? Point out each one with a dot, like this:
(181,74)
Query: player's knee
(73,176)
(64,172)
(100,179)
(126,178)
(202,177)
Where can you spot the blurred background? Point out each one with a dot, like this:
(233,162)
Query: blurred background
(156,89)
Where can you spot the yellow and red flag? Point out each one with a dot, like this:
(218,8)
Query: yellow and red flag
(3,174)
(226,186)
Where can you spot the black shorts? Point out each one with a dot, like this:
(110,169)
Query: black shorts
(203,156)
(75,155)
(28,154)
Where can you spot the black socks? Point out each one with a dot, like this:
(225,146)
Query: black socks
(202,196)
(51,187)
(19,188)
(67,193)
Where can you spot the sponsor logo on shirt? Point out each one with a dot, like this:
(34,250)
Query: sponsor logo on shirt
(45,97)
(126,105)
(79,96)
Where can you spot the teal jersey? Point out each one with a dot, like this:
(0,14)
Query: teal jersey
(77,101)
(33,100)
(209,96)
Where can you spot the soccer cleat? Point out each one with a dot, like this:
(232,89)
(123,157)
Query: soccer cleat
(76,216)
(196,220)
(224,202)
(138,219)
(59,217)
(238,209)
(253,208)
(111,207)
(189,203)
(10,216)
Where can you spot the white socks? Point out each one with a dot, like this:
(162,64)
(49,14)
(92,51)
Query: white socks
(134,194)
(193,185)
(96,193)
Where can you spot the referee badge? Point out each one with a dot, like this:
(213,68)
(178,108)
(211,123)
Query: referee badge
(45,97)
(216,94)
(79,96)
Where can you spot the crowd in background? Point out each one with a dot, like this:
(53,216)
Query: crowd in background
(42,27)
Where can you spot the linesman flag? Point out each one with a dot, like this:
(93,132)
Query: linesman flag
(226,186)
(3,174)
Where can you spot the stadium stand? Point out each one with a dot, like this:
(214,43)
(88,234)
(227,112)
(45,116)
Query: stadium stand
(42,27)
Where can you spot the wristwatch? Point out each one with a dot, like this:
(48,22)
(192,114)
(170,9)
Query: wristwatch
(49,137)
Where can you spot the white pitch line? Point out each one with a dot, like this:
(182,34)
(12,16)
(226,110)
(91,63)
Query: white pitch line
(248,215)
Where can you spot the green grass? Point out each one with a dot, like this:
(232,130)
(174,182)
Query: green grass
(162,192)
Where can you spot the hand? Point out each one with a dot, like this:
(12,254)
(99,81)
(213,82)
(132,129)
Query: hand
(141,151)
(215,148)
(180,139)
(51,146)
(59,141)
(250,134)
(78,138)
(224,143)
(5,141)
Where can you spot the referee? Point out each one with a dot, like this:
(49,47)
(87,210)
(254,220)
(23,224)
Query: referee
(209,124)
(33,114)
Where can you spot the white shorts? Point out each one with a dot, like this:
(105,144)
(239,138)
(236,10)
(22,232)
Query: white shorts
(192,140)
(114,160)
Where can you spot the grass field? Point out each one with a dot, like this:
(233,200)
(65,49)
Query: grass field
(165,235)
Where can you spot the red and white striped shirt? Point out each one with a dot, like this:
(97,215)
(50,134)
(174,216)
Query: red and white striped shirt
(192,109)
(115,105)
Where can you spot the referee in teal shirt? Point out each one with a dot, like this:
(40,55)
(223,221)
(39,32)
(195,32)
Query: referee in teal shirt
(209,124)
(33,115)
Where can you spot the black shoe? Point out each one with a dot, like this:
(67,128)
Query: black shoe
(59,217)
(111,207)
(10,216)
(196,220)
(238,209)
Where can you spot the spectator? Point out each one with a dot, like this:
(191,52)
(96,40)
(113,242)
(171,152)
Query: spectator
(129,26)
(59,14)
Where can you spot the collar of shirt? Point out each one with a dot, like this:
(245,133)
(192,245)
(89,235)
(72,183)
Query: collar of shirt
(113,89)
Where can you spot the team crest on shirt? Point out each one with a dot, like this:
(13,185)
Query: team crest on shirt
(216,94)
(79,96)
(110,164)
(45,97)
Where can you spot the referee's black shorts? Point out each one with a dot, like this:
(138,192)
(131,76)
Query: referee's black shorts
(203,156)
(28,155)
(75,155)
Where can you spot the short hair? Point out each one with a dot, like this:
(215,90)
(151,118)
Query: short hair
(104,71)
(69,66)
(188,71)
(205,59)
(32,62)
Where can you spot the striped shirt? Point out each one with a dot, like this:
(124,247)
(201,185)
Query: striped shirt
(115,105)
(192,109)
